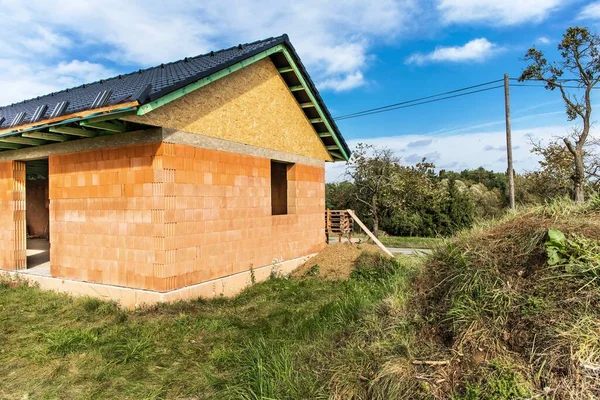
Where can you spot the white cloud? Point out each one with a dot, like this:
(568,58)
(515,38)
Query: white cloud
(21,80)
(345,83)
(461,151)
(334,39)
(543,40)
(590,11)
(496,12)
(475,50)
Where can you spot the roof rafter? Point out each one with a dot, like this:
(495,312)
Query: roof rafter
(67,130)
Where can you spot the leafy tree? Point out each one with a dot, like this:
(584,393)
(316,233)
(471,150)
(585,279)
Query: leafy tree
(487,202)
(580,66)
(340,195)
(373,171)
(556,168)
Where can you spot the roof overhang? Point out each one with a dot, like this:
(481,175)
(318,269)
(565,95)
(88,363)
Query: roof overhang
(105,121)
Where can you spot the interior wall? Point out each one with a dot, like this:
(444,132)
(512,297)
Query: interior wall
(37,207)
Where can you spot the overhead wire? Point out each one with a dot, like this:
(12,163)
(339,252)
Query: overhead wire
(395,105)
(445,96)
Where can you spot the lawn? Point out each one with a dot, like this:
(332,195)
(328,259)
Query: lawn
(291,338)
(410,242)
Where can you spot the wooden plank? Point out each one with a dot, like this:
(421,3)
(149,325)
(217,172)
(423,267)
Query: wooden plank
(72,131)
(22,140)
(109,117)
(10,146)
(307,105)
(45,136)
(296,88)
(117,127)
(285,69)
(369,233)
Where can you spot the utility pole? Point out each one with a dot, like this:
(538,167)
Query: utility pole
(509,157)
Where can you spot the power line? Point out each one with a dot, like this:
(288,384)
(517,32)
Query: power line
(367,112)
(543,87)
(413,103)
(438,97)
(541,80)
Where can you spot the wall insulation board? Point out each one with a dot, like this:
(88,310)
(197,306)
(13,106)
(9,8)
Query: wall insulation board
(251,106)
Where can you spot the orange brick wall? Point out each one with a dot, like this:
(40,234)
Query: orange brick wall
(101,227)
(218,214)
(161,217)
(12,216)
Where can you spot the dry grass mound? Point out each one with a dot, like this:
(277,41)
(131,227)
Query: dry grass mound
(512,309)
(336,261)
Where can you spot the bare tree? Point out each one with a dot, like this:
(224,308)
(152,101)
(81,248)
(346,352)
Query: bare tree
(373,171)
(579,67)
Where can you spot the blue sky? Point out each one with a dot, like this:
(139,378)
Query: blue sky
(361,54)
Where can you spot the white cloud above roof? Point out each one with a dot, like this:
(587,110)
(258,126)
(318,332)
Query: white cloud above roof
(474,50)
(334,39)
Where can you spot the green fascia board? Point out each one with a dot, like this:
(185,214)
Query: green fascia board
(146,108)
(312,98)
(153,105)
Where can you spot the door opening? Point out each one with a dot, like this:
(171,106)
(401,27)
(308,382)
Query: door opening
(37,206)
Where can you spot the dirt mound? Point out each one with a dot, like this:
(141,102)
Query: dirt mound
(336,261)
(513,309)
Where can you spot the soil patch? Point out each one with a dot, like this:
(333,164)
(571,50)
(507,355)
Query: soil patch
(336,261)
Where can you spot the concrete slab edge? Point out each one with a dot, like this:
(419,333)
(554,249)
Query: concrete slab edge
(134,298)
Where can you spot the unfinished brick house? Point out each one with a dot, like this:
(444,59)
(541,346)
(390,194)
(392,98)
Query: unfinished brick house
(171,182)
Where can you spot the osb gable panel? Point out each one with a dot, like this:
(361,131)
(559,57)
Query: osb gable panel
(251,106)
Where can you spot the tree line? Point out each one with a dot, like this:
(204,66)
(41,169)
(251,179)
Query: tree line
(415,200)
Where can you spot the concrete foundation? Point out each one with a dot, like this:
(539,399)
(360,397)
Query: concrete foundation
(134,298)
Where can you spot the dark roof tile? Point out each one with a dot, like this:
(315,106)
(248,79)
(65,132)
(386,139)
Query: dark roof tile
(164,79)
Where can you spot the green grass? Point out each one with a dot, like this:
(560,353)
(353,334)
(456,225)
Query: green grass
(410,242)
(286,338)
